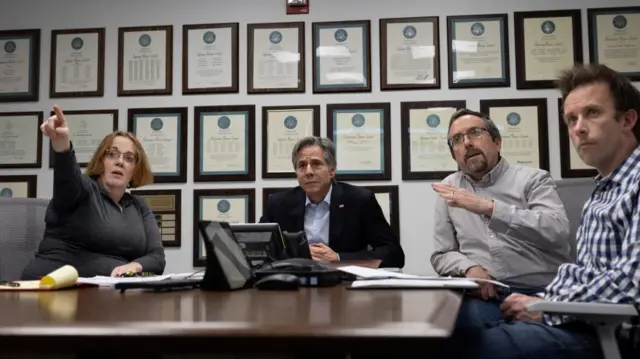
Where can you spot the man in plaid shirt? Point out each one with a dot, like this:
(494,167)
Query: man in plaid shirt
(600,111)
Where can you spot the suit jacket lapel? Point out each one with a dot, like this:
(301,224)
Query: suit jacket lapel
(336,214)
(297,209)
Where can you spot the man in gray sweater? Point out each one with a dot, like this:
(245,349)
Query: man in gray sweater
(495,220)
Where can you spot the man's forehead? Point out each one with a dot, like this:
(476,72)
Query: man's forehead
(308,157)
(464,123)
(592,95)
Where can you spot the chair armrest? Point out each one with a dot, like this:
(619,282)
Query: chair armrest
(585,309)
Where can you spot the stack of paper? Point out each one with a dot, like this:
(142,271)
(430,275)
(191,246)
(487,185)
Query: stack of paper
(380,278)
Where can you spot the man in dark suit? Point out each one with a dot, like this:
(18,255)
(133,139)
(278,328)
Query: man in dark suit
(341,221)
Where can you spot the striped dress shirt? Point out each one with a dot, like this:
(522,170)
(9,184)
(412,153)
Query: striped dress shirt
(608,265)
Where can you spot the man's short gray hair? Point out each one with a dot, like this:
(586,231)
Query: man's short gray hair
(326,144)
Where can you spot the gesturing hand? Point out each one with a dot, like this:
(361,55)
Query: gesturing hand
(55,127)
(461,198)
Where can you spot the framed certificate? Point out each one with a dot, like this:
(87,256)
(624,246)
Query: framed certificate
(409,53)
(224,205)
(20,186)
(614,39)
(276,58)
(163,135)
(424,135)
(266,194)
(361,133)
(20,65)
(77,63)
(20,140)
(224,146)
(166,205)
(210,58)
(478,47)
(523,128)
(145,61)
(389,201)
(571,165)
(547,42)
(87,129)
(342,56)
(282,127)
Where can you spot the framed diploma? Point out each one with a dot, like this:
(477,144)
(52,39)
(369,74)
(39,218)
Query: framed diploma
(547,42)
(388,199)
(224,146)
(210,58)
(87,129)
(614,39)
(20,65)
(523,128)
(224,205)
(266,194)
(342,56)
(19,186)
(163,135)
(409,53)
(20,140)
(282,127)
(361,133)
(571,165)
(77,63)
(424,134)
(145,61)
(478,47)
(276,58)
(166,205)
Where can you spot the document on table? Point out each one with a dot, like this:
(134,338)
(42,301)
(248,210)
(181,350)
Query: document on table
(413,283)
(105,281)
(371,274)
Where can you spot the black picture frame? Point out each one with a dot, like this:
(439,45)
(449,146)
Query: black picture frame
(183,122)
(543,120)
(247,175)
(198,195)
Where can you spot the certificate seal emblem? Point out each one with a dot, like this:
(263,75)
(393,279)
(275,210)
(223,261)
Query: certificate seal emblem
(619,22)
(340,35)
(514,119)
(10,47)
(77,43)
(290,122)
(144,40)
(6,192)
(224,122)
(157,124)
(209,37)
(433,120)
(275,37)
(224,206)
(548,27)
(409,32)
(477,29)
(357,120)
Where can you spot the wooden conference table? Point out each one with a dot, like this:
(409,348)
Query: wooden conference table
(312,320)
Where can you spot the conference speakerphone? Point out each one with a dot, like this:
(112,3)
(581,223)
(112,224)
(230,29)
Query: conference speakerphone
(309,272)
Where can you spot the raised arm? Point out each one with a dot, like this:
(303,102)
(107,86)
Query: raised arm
(446,258)
(543,224)
(70,186)
(154,260)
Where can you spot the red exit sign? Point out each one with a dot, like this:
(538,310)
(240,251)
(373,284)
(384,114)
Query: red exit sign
(297,7)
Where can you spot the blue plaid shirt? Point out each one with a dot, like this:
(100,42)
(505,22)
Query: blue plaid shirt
(608,265)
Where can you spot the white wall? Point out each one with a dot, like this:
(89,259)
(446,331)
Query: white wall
(416,198)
